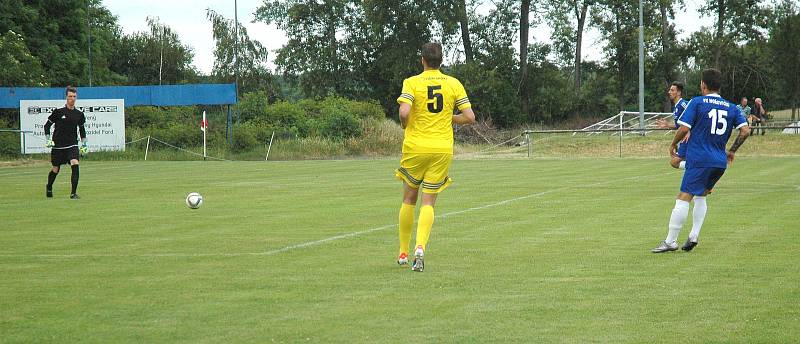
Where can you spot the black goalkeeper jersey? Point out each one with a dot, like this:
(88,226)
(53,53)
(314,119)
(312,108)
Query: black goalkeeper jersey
(67,123)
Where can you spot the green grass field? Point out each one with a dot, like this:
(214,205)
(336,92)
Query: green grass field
(540,250)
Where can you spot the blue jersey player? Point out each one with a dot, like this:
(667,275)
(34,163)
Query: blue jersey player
(711,120)
(675,94)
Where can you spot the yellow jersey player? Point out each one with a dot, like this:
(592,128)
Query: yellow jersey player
(428,105)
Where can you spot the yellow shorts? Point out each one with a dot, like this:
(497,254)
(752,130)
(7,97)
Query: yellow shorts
(426,169)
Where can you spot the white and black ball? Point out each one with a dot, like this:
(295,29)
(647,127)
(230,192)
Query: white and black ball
(194,200)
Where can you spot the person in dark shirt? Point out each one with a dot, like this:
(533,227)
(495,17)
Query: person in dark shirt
(760,117)
(68,122)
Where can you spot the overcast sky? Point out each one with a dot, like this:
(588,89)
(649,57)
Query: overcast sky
(188,19)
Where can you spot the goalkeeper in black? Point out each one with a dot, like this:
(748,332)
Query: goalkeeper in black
(64,142)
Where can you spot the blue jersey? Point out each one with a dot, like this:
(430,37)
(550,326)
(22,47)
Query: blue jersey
(677,111)
(711,120)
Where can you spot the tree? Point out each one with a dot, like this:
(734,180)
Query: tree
(154,57)
(105,37)
(20,67)
(56,33)
(568,21)
(736,20)
(617,21)
(492,78)
(312,55)
(669,54)
(253,74)
(524,24)
(464,23)
(785,45)
(369,47)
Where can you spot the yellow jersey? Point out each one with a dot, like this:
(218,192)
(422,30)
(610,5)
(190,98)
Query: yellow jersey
(434,97)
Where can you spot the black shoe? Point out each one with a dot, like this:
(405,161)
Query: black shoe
(689,245)
(48,191)
(74,196)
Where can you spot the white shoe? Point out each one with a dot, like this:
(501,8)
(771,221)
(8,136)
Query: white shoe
(402,259)
(665,247)
(419,263)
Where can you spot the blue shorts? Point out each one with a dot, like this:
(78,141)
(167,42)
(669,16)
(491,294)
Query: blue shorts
(682,147)
(697,180)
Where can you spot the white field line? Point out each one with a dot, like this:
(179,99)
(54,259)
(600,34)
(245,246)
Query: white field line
(321,241)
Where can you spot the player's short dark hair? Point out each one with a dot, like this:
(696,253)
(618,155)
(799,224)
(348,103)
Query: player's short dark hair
(712,78)
(678,85)
(743,98)
(72,89)
(432,53)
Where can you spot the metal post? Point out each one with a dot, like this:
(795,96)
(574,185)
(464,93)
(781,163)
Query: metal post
(270,145)
(528,139)
(205,129)
(236,53)
(229,127)
(146,149)
(89,26)
(23,143)
(620,133)
(641,67)
(161,55)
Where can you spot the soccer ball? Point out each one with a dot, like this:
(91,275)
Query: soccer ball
(194,200)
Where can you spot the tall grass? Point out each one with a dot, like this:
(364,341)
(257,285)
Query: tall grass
(383,138)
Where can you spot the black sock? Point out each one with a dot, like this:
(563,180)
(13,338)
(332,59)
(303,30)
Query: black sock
(75,174)
(51,177)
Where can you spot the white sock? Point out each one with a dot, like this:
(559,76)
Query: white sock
(698,215)
(676,220)
(682,165)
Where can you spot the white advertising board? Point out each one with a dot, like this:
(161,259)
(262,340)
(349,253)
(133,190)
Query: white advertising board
(105,123)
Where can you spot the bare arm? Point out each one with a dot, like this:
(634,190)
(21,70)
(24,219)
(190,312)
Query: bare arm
(405,110)
(465,117)
(665,123)
(744,132)
(679,136)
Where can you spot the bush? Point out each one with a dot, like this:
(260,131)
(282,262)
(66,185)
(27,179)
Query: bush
(339,124)
(290,117)
(179,134)
(244,138)
(490,93)
(155,117)
(253,106)
(365,109)
(334,118)
(10,141)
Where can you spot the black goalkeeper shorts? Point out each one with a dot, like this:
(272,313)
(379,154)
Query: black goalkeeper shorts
(60,157)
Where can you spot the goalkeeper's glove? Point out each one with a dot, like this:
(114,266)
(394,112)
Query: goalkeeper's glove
(84,147)
(49,143)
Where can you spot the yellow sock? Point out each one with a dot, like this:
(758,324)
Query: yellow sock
(406,222)
(424,224)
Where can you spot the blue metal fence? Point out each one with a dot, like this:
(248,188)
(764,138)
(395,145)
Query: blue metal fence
(165,95)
